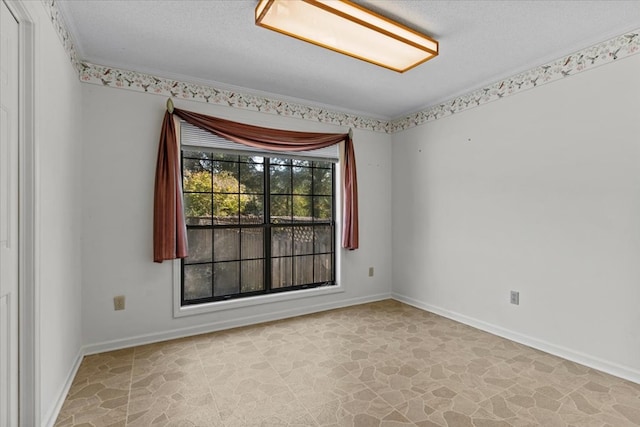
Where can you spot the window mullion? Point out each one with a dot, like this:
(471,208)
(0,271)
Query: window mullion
(293,226)
(182,299)
(267,223)
(213,230)
(240,263)
(313,220)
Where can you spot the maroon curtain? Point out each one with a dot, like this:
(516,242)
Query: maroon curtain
(169,229)
(169,237)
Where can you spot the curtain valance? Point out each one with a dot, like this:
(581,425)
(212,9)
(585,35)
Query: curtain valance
(169,229)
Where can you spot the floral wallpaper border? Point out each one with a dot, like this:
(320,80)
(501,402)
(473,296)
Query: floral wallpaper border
(606,52)
(61,28)
(113,77)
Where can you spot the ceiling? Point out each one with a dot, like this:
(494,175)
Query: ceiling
(217,43)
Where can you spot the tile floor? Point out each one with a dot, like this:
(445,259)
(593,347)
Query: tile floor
(379,364)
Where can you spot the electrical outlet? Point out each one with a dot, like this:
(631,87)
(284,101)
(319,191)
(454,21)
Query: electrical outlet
(370,271)
(118,302)
(515,297)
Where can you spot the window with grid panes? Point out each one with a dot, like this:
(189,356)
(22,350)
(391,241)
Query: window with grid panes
(256,224)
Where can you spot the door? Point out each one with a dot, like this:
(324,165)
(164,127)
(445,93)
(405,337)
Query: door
(8,218)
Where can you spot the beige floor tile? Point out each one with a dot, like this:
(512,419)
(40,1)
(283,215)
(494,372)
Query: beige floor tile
(380,364)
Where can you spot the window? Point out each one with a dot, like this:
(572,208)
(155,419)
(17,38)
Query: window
(257,223)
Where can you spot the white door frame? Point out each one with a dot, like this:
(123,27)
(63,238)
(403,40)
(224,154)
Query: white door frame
(28,291)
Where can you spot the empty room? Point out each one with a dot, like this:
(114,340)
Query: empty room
(319,213)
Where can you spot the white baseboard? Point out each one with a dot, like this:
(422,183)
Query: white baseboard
(54,411)
(612,368)
(227,324)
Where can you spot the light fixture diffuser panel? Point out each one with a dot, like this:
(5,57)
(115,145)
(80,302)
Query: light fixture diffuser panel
(347,28)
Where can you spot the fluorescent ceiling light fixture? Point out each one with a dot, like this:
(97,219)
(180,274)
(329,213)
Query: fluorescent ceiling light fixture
(348,28)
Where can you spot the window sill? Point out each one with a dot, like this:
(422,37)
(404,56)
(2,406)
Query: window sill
(191,310)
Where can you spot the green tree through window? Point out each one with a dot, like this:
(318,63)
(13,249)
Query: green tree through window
(228,197)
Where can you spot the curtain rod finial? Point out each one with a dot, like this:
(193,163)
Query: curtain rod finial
(170,106)
(351,133)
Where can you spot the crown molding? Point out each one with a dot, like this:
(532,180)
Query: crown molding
(594,56)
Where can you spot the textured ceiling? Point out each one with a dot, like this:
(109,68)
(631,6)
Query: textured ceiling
(217,43)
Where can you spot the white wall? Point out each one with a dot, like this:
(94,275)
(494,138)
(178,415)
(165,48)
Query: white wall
(121,131)
(537,192)
(58,142)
